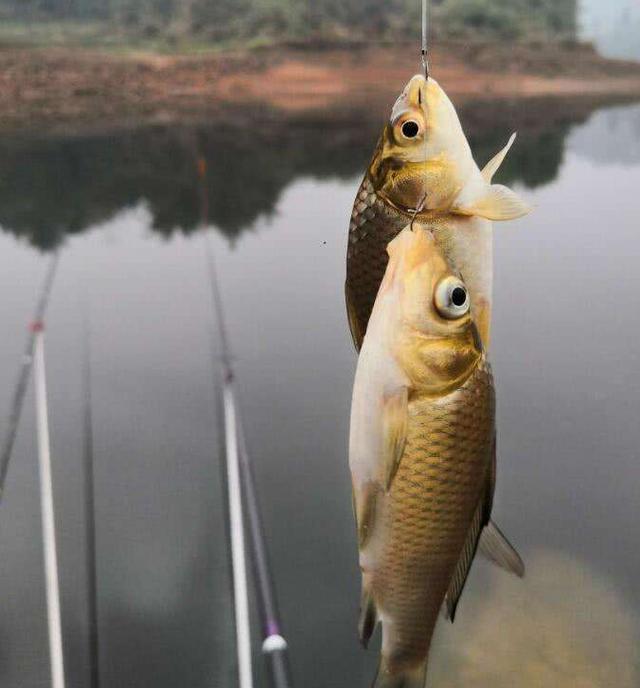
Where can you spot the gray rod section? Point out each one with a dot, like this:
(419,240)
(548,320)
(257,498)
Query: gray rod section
(90,520)
(274,645)
(20,390)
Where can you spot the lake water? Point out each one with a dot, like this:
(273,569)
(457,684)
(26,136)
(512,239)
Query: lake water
(123,207)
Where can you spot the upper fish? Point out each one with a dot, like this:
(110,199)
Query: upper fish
(423,166)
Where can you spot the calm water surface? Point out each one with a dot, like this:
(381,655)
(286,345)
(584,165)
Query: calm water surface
(124,210)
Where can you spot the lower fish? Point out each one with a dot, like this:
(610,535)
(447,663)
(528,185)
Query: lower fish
(422,455)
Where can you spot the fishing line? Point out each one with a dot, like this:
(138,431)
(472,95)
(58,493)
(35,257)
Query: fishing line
(424,53)
(25,370)
(232,462)
(417,210)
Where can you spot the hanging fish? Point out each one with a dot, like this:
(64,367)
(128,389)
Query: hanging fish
(422,455)
(423,163)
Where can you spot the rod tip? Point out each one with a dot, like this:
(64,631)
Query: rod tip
(274,643)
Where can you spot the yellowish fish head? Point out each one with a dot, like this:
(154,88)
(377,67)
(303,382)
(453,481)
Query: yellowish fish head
(423,158)
(435,341)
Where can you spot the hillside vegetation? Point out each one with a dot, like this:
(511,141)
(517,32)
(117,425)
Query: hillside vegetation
(226,21)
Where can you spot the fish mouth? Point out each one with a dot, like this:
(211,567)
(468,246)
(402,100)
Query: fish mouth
(414,95)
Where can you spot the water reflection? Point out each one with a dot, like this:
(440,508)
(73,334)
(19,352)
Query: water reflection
(568,626)
(52,187)
(567,380)
(613,137)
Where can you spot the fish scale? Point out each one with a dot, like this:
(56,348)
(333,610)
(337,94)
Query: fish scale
(429,510)
(371,229)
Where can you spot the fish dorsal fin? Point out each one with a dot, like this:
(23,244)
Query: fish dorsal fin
(497,549)
(394,433)
(492,201)
(495,202)
(494,164)
(456,586)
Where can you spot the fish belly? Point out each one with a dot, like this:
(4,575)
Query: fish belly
(427,514)
(373,225)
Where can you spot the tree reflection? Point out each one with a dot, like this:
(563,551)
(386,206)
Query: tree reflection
(54,186)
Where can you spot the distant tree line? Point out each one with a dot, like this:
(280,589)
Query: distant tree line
(330,19)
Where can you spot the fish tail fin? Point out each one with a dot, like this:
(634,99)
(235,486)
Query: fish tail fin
(410,677)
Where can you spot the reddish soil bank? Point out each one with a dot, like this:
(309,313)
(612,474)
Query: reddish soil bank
(51,86)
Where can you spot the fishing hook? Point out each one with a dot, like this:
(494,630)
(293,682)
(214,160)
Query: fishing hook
(418,209)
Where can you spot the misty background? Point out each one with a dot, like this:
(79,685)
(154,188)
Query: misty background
(614,26)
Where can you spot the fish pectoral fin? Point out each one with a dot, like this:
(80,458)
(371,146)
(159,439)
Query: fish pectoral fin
(354,326)
(461,573)
(497,203)
(494,164)
(368,616)
(394,433)
(496,548)
(364,508)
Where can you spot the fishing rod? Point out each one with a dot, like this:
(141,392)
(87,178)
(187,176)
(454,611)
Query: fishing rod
(20,389)
(236,532)
(274,646)
(52,583)
(232,464)
(90,518)
(239,465)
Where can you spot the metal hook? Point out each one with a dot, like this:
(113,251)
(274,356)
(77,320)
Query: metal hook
(425,63)
(417,210)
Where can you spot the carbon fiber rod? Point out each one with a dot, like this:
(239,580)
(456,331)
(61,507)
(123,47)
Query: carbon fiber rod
(20,390)
(274,645)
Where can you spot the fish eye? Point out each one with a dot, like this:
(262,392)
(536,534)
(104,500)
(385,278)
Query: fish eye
(410,129)
(451,298)
(459,297)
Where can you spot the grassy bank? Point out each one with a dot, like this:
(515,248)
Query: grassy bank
(45,86)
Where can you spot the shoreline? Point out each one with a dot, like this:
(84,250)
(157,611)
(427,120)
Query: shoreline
(55,88)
